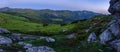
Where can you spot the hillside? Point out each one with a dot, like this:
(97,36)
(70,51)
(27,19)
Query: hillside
(30,30)
(23,25)
(50,16)
(79,30)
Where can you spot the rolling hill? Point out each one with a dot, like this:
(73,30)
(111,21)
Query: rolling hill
(49,16)
(23,25)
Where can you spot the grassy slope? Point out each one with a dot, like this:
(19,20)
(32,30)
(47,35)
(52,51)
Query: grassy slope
(63,44)
(21,24)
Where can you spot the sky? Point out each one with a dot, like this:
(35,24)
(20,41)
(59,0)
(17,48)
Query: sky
(99,6)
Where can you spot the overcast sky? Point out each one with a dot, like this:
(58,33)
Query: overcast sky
(100,6)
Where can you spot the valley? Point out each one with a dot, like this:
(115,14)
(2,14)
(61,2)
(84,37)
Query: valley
(56,37)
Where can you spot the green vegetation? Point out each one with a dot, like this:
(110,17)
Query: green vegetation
(78,44)
(96,24)
(8,16)
(15,23)
(49,16)
(23,25)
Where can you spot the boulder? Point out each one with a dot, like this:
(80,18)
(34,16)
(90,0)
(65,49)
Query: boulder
(117,17)
(1,50)
(116,6)
(112,5)
(70,36)
(42,37)
(30,37)
(5,40)
(40,49)
(26,45)
(112,2)
(16,36)
(105,36)
(114,9)
(92,38)
(21,43)
(48,39)
(64,30)
(112,43)
(87,30)
(115,29)
(112,22)
(2,31)
(115,44)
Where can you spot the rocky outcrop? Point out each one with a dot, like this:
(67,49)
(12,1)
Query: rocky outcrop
(1,50)
(31,48)
(29,37)
(16,36)
(26,45)
(70,36)
(105,36)
(112,22)
(115,44)
(2,31)
(48,39)
(40,49)
(92,38)
(115,29)
(5,40)
(112,34)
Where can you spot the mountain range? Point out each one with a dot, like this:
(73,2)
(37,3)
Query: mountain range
(49,16)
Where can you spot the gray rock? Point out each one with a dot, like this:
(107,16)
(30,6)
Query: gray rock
(111,8)
(105,36)
(115,29)
(2,31)
(118,47)
(20,51)
(40,49)
(64,30)
(16,36)
(113,43)
(42,37)
(100,50)
(70,36)
(1,50)
(30,37)
(116,44)
(5,40)
(112,2)
(87,30)
(112,22)
(92,38)
(114,9)
(117,16)
(48,39)
(26,45)
(116,6)
(21,43)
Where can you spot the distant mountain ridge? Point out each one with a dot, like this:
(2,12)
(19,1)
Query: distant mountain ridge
(49,16)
